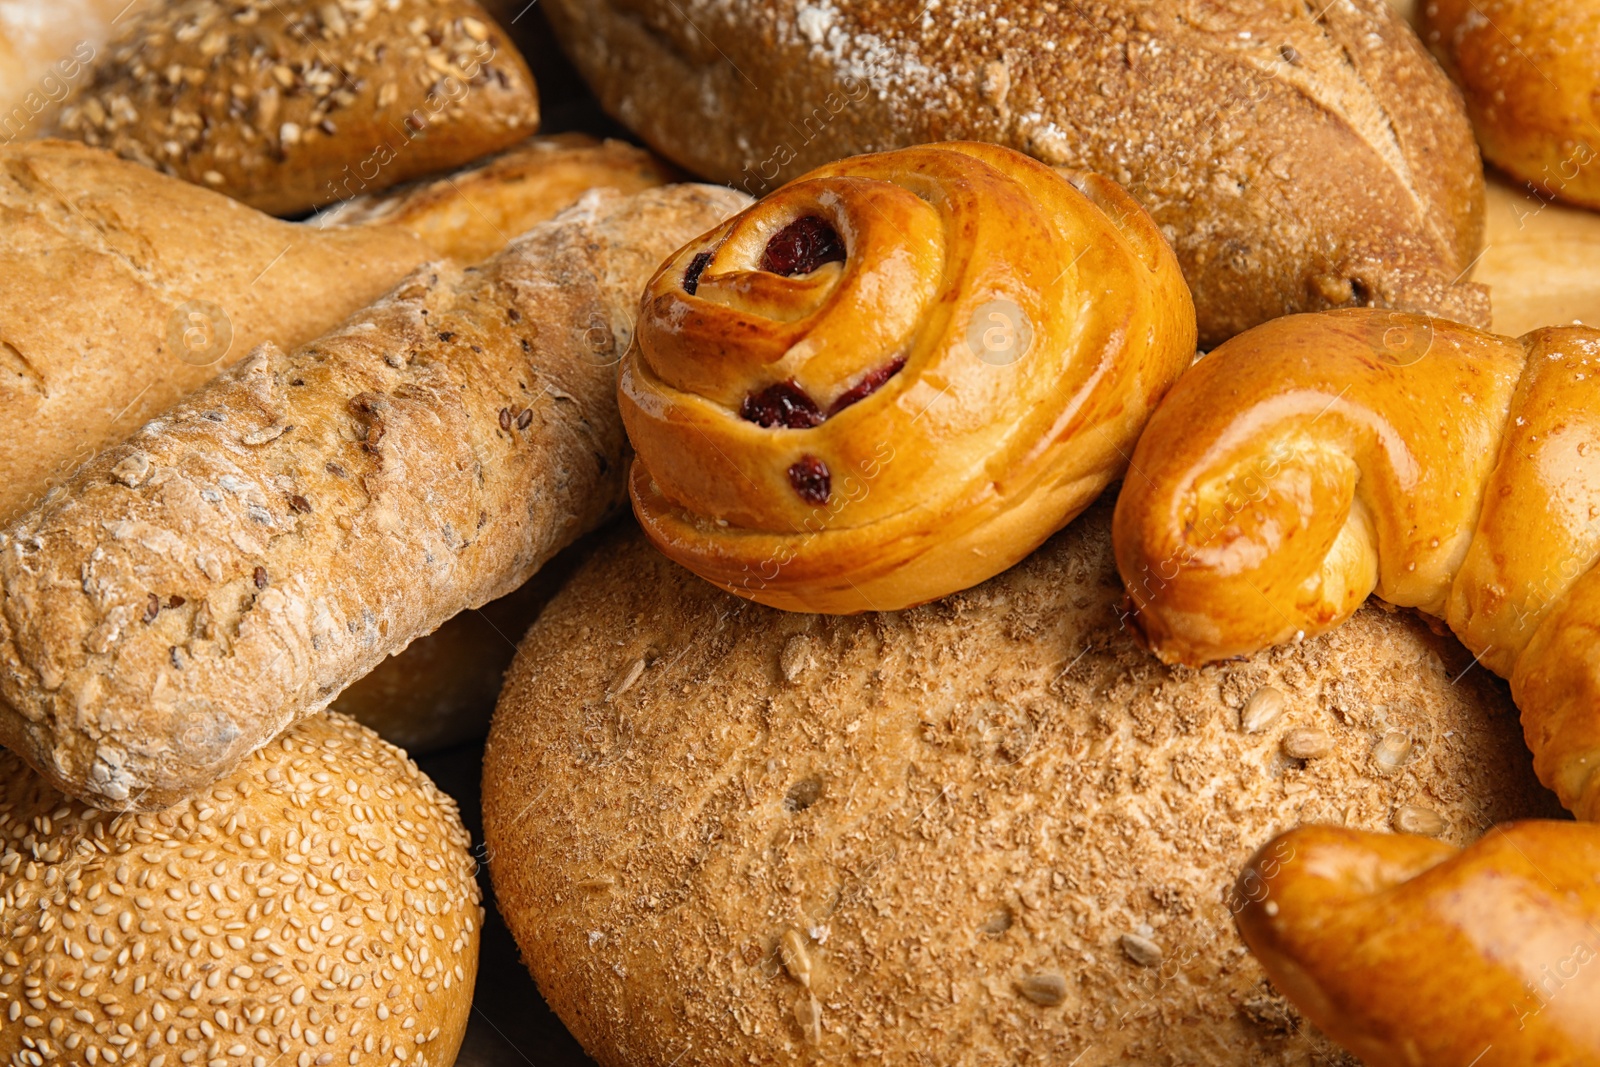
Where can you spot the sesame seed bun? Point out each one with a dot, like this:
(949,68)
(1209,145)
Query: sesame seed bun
(316,906)
(988,830)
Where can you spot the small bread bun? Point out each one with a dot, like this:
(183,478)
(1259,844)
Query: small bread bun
(1527,69)
(989,830)
(316,906)
(292,104)
(896,376)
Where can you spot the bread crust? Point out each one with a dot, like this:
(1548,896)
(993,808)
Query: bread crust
(1526,69)
(991,829)
(318,901)
(291,104)
(1297,156)
(126,290)
(242,558)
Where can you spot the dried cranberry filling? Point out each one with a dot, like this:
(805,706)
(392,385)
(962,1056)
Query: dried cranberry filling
(697,267)
(801,247)
(871,383)
(810,478)
(784,404)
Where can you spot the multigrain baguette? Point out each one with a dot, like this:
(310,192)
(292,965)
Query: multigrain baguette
(291,104)
(248,554)
(124,289)
(1297,156)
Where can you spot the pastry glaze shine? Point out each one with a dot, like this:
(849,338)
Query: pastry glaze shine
(896,376)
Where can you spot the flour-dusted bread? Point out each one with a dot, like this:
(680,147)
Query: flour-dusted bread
(1298,156)
(125,289)
(317,905)
(987,830)
(232,566)
(291,104)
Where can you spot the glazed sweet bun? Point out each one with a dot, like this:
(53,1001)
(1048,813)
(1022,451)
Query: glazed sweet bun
(316,906)
(1527,70)
(896,376)
(987,830)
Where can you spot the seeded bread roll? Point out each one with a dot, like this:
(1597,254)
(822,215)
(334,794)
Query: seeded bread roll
(243,557)
(292,104)
(126,289)
(986,830)
(472,214)
(1297,156)
(318,905)
(1526,68)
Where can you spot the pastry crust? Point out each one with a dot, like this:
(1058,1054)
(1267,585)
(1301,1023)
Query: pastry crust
(291,104)
(1526,68)
(1322,458)
(1297,156)
(319,901)
(919,413)
(991,829)
(270,539)
(1409,951)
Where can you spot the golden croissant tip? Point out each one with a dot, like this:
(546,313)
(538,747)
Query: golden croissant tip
(897,375)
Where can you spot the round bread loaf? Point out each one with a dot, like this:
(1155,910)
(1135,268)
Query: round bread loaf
(316,906)
(986,830)
(1527,69)
(1297,156)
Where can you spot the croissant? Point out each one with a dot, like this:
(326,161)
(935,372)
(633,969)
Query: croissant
(1409,951)
(896,376)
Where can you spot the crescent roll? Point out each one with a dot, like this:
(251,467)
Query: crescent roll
(896,376)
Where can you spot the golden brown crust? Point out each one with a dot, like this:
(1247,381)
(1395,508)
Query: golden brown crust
(319,901)
(116,306)
(291,104)
(1297,156)
(1407,951)
(271,538)
(472,214)
(987,830)
(1320,458)
(806,431)
(1526,68)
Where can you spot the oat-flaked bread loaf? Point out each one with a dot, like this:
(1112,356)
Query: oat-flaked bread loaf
(260,545)
(318,905)
(986,830)
(1297,156)
(291,104)
(126,289)
(473,213)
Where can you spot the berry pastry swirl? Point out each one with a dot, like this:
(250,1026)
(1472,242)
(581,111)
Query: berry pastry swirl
(896,376)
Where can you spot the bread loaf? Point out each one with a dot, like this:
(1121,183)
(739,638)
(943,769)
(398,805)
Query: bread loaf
(45,52)
(472,214)
(126,289)
(1296,156)
(988,830)
(1526,68)
(316,905)
(274,536)
(291,104)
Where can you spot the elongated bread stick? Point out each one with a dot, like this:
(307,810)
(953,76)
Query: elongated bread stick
(231,567)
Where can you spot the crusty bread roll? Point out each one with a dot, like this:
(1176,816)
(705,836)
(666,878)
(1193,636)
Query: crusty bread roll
(1297,156)
(292,104)
(126,289)
(1409,951)
(1527,70)
(897,375)
(318,905)
(987,830)
(1541,261)
(472,214)
(243,557)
